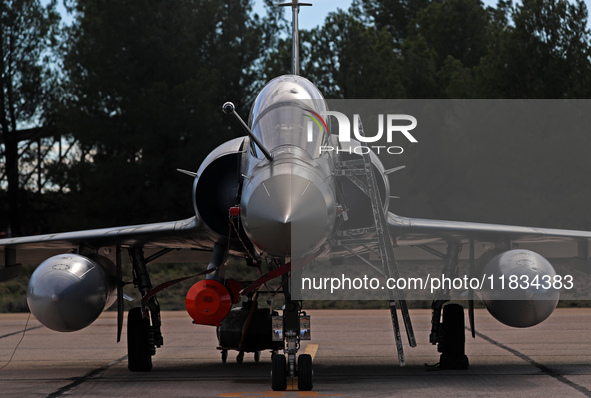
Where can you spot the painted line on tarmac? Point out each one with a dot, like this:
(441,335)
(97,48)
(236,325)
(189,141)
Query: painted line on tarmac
(548,371)
(84,378)
(311,350)
(21,331)
(271,393)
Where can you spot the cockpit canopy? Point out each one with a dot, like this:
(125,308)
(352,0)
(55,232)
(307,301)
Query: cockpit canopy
(287,112)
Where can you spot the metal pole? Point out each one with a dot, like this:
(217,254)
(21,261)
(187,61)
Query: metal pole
(295,53)
(295,45)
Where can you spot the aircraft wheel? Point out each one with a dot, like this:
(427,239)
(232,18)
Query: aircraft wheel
(139,357)
(257,356)
(240,357)
(453,354)
(305,372)
(278,374)
(224,356)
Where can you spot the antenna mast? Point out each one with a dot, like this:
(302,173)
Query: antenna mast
(295,43)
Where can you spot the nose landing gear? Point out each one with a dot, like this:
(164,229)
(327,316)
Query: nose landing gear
(292,327)
(280,373)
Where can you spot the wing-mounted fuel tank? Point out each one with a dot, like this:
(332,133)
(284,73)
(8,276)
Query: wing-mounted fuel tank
(216,187)
(523,291)
(357,202)
(68,292)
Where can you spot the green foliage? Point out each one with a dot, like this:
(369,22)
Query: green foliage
(395,16)
(544,53)
(348,59)
(454,28)
(146,81)
(28,33)
(13,294)
(452,49)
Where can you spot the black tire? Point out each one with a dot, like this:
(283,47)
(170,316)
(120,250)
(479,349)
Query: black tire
(278,374)
(257,356)
(453,354)
(139,357)
(240,357)
(305,373)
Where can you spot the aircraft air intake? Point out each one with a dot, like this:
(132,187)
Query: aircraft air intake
(215,188)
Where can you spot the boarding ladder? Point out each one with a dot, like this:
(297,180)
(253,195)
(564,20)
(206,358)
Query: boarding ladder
(381,238)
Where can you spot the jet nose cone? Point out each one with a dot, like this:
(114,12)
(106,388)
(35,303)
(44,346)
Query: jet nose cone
(288,215)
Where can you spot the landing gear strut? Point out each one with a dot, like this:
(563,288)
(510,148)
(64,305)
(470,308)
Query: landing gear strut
(449,333)
(294,329)
(142,337)
(453,355)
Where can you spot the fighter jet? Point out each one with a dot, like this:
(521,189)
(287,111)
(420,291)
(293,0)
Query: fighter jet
(275,199)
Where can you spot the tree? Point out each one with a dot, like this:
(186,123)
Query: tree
(545,54)
(445,41)
(455,28)
(28,32)
(276,41)
(538,49)
(394,15)
(348,59)
(146,81)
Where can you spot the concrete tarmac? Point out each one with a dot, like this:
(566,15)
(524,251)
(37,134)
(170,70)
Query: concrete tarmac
(353,353)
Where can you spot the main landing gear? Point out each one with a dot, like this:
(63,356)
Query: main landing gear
(448,333)
(452,345)
(139,346)
(143,325)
